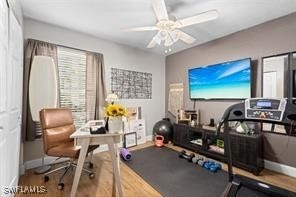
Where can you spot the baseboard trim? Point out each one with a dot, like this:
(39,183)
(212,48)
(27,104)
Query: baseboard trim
(281,168)
(104,147)
(22,169)
(149,138)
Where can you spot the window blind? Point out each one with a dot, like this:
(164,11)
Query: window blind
(72,81)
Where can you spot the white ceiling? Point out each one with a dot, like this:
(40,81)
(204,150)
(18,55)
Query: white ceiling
(106,18)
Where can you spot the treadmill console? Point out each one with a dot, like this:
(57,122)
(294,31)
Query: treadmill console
(265,109)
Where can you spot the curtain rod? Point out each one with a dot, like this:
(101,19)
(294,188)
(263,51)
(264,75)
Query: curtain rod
(66,46)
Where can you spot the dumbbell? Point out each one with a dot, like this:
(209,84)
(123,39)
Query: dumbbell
(206,164)
(189,157)
(212,166)
(201,162)
(218,165)
(197,159)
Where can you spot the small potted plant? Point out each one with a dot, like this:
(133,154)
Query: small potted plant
(114,114)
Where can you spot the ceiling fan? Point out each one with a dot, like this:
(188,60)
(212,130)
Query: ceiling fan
(169,29)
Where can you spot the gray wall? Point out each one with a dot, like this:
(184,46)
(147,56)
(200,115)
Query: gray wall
(115,55)
(274,37)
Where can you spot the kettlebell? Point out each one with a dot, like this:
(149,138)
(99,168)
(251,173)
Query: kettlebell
(158,140)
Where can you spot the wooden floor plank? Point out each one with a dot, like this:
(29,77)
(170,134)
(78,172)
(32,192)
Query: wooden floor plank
(132,184)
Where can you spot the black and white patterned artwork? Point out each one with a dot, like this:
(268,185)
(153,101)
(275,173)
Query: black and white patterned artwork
(131,84)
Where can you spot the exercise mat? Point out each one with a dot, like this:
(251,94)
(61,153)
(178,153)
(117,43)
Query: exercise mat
(172,176)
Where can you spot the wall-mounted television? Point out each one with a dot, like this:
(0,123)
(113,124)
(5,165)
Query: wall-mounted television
(228,80)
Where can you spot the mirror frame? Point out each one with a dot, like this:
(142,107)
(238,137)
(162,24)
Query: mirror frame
(286,72)
(291,66)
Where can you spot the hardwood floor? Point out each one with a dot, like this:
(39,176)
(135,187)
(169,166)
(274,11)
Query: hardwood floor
(133,185)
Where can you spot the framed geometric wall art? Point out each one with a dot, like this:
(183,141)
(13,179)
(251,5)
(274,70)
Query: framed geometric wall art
(128,84)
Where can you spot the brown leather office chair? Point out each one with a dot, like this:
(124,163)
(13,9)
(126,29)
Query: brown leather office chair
(57,126)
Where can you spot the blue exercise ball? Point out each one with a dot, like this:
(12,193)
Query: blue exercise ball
(165,128)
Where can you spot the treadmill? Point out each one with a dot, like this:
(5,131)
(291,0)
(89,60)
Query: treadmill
(262,110)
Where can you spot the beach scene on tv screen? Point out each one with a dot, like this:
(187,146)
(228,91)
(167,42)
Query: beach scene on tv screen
(221,81)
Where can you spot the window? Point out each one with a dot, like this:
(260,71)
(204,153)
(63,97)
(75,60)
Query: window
(72,82)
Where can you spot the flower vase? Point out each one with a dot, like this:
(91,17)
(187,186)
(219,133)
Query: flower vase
(115,124)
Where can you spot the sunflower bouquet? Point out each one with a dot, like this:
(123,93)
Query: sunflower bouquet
(113,110)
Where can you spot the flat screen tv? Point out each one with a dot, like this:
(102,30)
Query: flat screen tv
(228,80)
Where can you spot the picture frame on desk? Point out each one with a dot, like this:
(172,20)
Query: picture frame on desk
(130,140)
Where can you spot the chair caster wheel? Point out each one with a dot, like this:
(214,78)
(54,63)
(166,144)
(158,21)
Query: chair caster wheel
(91,175)
(45,179)
(61,186)
(90,165)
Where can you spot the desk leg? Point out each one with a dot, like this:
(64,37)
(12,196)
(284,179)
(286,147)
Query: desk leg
(82,155)
(115,165)
(117,156)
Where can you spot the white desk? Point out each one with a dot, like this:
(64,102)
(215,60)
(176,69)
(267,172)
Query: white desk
(84,139)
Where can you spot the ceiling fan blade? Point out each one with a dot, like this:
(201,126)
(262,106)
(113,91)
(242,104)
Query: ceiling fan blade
(155,40)
(152,43)
(200,18)
(160,9)
(186,37)
(148,28)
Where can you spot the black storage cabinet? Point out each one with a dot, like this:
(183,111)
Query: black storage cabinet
(247,150)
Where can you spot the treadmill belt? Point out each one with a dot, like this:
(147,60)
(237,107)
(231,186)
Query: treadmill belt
(247,187)
(246,192)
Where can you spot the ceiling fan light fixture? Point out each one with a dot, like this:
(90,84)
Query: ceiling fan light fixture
(168,41)
(175,35)
(158,38)
(157,41)
(163,34)
(169,28)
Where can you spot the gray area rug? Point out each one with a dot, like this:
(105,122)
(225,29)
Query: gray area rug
(175,177)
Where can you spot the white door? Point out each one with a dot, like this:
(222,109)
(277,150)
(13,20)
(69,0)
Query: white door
(270,85)
(11,72)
